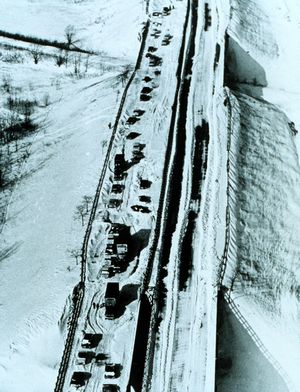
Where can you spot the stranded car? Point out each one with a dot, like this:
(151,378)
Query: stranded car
(138,208)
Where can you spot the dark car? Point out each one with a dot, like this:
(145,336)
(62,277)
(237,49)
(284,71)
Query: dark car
(120,176)
(138,112)
(80,378)
(132,120)
(154,62)
(114,203)
(155,59)
(110,388)
(91,340)
(132,135)
(119,163)
(166,11)
(145,97)
(139,146)
(152,49)
(145,199)
(112,370)
(137,156)
(112,294)
(117,188)
(145,184)
(147,79)
(140,209)
(146,90)
(155,35)
(85,357)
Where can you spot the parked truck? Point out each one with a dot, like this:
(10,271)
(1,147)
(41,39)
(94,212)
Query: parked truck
(112,294)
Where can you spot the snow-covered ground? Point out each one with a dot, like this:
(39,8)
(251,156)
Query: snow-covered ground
(265,176)
(244,367)
(73,110)
(270,32)
(66,153)
(108,26)
(39,272)
(267,230)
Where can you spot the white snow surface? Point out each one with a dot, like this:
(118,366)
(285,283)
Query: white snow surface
(270,31)
(39,273)
(265,179)
(267,231)
(109,26)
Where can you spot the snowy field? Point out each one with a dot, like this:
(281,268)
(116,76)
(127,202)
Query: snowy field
(102,26)
(41,231)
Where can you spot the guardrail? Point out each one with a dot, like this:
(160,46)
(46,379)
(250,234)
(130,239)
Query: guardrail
(223,263)
(80,295)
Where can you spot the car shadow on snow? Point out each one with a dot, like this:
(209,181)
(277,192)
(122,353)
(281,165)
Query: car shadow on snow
(128,294)
(138,242)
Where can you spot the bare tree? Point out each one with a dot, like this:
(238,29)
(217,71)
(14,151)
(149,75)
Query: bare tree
(60,58)
(80,213)
(46,99)
(77,65)
(36,53)
(87,63)
(87,201)
(124,75)
(7,83)
(70,35)
(83,209)
(27,112)
(75,253)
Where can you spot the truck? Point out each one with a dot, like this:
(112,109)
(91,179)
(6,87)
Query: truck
(112,294)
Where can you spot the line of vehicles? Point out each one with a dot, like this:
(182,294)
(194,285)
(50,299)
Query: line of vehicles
(118,235)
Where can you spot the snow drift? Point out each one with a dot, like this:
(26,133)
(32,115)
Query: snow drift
(264,176)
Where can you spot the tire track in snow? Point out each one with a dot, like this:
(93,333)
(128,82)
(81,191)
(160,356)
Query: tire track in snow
(181,127)
(174,187)
(163,204)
